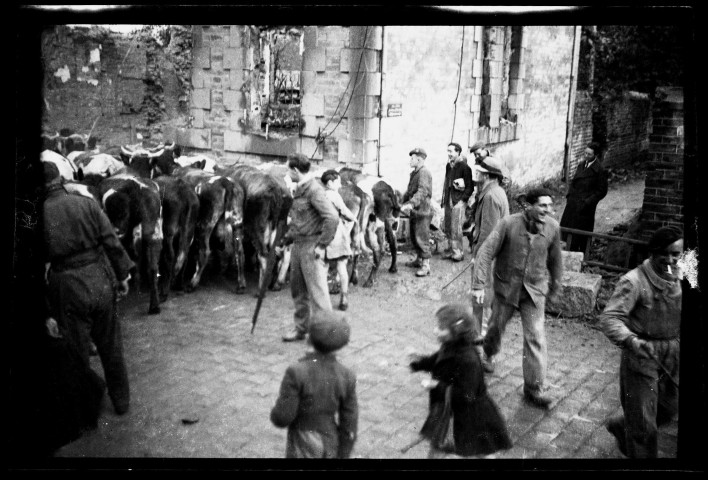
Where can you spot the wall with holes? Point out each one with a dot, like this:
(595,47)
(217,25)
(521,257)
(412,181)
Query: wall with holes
(104,80)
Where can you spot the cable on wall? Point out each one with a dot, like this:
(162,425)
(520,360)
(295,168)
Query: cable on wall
(459,78)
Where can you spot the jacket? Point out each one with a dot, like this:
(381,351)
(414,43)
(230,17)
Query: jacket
(459,169)
(420,191)
(644,305)
(523,259)
(312,214)
(491,206)
(478,426)
(588,187)
(318,405)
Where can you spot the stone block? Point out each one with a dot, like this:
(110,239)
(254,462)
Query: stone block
(310,37)
(516,85)
(313,105)
(233,59)
(352,58)
(314,60)
(198,78)
(311,126)
(194,137)
(572,261)
(234,100)
(201,98)
(236,79)
(516,102)
(477,68)
(364,106)
(197,117)
(201,58)
(368,84)
(308,145)
(517,70)
(236,36)
(578,295)
(307,82)
(372,34)
(364,128)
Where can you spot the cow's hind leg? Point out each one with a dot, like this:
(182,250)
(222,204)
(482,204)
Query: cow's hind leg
(393,246)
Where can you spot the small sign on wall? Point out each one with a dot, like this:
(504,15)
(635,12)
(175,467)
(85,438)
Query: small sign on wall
(394,110)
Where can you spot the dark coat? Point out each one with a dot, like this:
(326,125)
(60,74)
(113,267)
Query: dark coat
(588,187)
(459,170)
(419,192)
(478,426)
(318,405)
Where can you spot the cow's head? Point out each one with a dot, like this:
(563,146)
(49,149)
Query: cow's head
(150,163)
(74,143)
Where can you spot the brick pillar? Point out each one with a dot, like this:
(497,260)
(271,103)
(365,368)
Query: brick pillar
(663,191)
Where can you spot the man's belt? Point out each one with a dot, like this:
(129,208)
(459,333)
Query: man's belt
(76,260)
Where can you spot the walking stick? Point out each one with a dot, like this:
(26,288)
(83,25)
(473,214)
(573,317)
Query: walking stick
(270,264)
(458,275)
(412,444)
(661,365)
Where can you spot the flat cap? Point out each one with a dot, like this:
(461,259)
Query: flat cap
(329,331)
(418,151)
(477,146)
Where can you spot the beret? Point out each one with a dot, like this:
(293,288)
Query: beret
(329,331)
(664,237)
(418,151)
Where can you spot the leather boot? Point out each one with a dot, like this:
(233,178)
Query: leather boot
(417,263)
(344,302)
(424,268)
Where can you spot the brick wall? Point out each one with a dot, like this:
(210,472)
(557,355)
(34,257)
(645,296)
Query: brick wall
(628,122)
(582,129)
(91,74)
(663,192)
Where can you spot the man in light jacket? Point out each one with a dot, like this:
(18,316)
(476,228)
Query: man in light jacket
(526,247)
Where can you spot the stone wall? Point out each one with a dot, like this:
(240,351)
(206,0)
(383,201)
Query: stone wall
(627,127)
(96,77)
(582,129)
(663,192)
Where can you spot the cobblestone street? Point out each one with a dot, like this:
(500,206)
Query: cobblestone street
(202,386)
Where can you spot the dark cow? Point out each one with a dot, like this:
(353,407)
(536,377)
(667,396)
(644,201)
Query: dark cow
(266,206)
(180,211)
(221,209)
(133,207)
(150,163)
(386,209)
(361,205)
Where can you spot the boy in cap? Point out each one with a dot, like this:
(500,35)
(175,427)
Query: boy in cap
(416,204)
(644,317)
(317,390)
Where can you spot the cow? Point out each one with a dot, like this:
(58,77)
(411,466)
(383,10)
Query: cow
(150,163)
(195,161)
(386,210)
(362,206)
(133,206)
(267,203)
(221,208)
(180,210)
(67,169)
(101,164)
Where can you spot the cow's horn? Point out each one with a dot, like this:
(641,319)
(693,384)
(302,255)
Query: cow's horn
(156,154)
(126,151)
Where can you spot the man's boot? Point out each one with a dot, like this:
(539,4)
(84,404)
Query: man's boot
(424,268)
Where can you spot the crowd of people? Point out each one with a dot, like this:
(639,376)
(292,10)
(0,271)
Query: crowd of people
(516,264)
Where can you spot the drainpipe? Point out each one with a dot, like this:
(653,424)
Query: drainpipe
(577,32)
(380,113)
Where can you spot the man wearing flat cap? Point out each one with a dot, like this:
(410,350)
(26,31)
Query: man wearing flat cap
(588,187)
(317,401)
(491,206)
(457,190)
(416,204)
(89,272)
(643,317)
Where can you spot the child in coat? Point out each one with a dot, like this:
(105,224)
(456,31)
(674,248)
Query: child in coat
(340,249)
(317,401)
(478,426)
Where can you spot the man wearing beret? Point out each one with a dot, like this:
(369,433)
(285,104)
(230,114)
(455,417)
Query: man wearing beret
(643,316)
(317,401)
(88,273)
(457,190)
(491,206)
(416,204)
(588,187)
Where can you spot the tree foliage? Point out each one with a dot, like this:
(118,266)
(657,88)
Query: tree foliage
(637,57)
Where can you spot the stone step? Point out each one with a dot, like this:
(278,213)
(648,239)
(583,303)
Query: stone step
(578,296)
(572,261)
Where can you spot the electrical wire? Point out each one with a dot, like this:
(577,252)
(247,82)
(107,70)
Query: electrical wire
(459,78)
(324,134)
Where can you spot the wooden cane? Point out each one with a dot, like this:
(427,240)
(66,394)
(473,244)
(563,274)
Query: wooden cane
(412,444)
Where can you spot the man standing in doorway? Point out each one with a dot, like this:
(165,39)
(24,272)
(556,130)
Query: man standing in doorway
(524,245)
(313,223)
(457,190)
(588,187)
(491,206)
(416,204)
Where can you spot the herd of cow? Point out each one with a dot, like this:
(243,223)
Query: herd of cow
(173,212)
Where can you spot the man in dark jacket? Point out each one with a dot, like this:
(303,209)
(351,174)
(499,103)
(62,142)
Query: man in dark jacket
(416,204)
(644,317)
(313,223)
(457,190)
(588,187)
(88,272)
(525,245)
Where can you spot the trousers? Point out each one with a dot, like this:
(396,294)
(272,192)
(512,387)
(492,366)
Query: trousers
(535,357)
(308,283)
(454,218)
(420,234)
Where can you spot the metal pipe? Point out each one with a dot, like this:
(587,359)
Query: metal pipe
(571,101)
(380,112)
